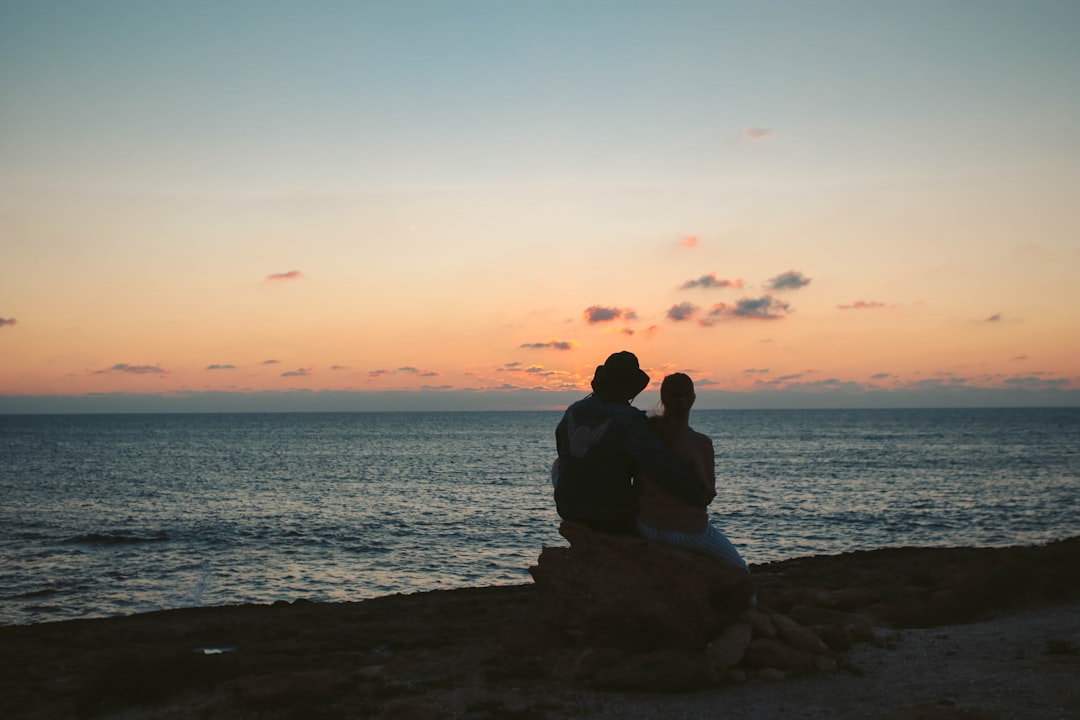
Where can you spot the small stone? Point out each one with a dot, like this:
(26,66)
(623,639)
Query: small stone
(736,676)
(837,637)
(772,653)
(760,622)
(798,636)
(728,650)
(807,615)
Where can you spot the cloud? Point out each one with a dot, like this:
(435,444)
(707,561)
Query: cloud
(339,367)
(126,369)
(862,305)
(8,321)
(290,275)
(711,281)
(220,367)
(751,371)
(408,369)
(881,376)
(299,372)
(688,241)
(437,388)
(377,373)
(763,308)
(271,362)
(996,317)
(756,133)
(599,314)
(681,312)
(552,344)
(790,280)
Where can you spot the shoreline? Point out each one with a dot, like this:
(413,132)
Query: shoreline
(969,632)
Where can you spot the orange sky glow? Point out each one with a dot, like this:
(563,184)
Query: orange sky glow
(372,209)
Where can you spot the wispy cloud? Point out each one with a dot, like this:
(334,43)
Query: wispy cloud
(8,321)
(600,314)
(995,318)
(754,371)
(757,133)
(763,308)
(410,370)
(790,280)
(862,305)
(339,367)
(220,367)
(290,275)
(377,373)
(711,281)
(689,242)
(681,312)
(550,344)
(299,372)
(125,369)
(271,362)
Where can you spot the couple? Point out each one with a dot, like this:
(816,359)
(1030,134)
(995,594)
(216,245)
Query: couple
(620,472)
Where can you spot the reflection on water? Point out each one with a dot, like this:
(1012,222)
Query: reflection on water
(117,514)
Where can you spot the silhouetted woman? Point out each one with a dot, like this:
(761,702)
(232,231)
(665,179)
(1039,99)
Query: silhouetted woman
(663,517)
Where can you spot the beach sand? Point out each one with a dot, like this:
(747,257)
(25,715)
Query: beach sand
(997,636)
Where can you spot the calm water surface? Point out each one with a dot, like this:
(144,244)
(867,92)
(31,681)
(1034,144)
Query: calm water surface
(113,514)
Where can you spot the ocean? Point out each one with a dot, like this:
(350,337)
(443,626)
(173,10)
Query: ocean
(105,515)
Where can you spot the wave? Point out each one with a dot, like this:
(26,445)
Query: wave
(117,538)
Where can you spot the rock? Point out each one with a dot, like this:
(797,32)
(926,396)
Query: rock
(584,663)
(837,637)
(808,615)
(412,709)
(736,676)
(529,638)
(798,636)
(660,671)
(763,626)
(289,687)
(624,591)
(772,653)
(729,649)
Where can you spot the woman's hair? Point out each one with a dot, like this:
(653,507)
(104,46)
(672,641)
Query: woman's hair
(676,398)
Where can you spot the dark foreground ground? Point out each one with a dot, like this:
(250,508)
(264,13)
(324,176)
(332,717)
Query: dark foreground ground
(966,633)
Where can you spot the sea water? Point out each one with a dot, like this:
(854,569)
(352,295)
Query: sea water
(113,514)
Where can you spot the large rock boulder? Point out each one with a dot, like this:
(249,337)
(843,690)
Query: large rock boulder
(624,591)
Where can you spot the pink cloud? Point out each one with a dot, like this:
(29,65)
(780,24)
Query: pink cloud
(600,314)
(8,321)
(688,241)
(758,133)
(711,281)
(862,305)
(125,369)
(290,275)
(681,312)
(763,308)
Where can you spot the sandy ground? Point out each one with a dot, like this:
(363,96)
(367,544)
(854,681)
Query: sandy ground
(1024,665)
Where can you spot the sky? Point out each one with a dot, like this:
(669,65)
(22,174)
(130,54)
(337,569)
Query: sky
(268,205)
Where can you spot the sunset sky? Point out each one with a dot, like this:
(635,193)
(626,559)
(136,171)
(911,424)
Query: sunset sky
(239,204)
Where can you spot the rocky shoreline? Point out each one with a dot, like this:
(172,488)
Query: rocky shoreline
(955,633)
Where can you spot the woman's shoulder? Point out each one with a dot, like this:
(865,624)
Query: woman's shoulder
(698,438)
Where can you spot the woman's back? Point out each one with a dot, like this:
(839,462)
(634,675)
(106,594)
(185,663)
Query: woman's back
(662,510)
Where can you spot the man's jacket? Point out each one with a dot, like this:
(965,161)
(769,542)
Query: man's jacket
(600,445)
